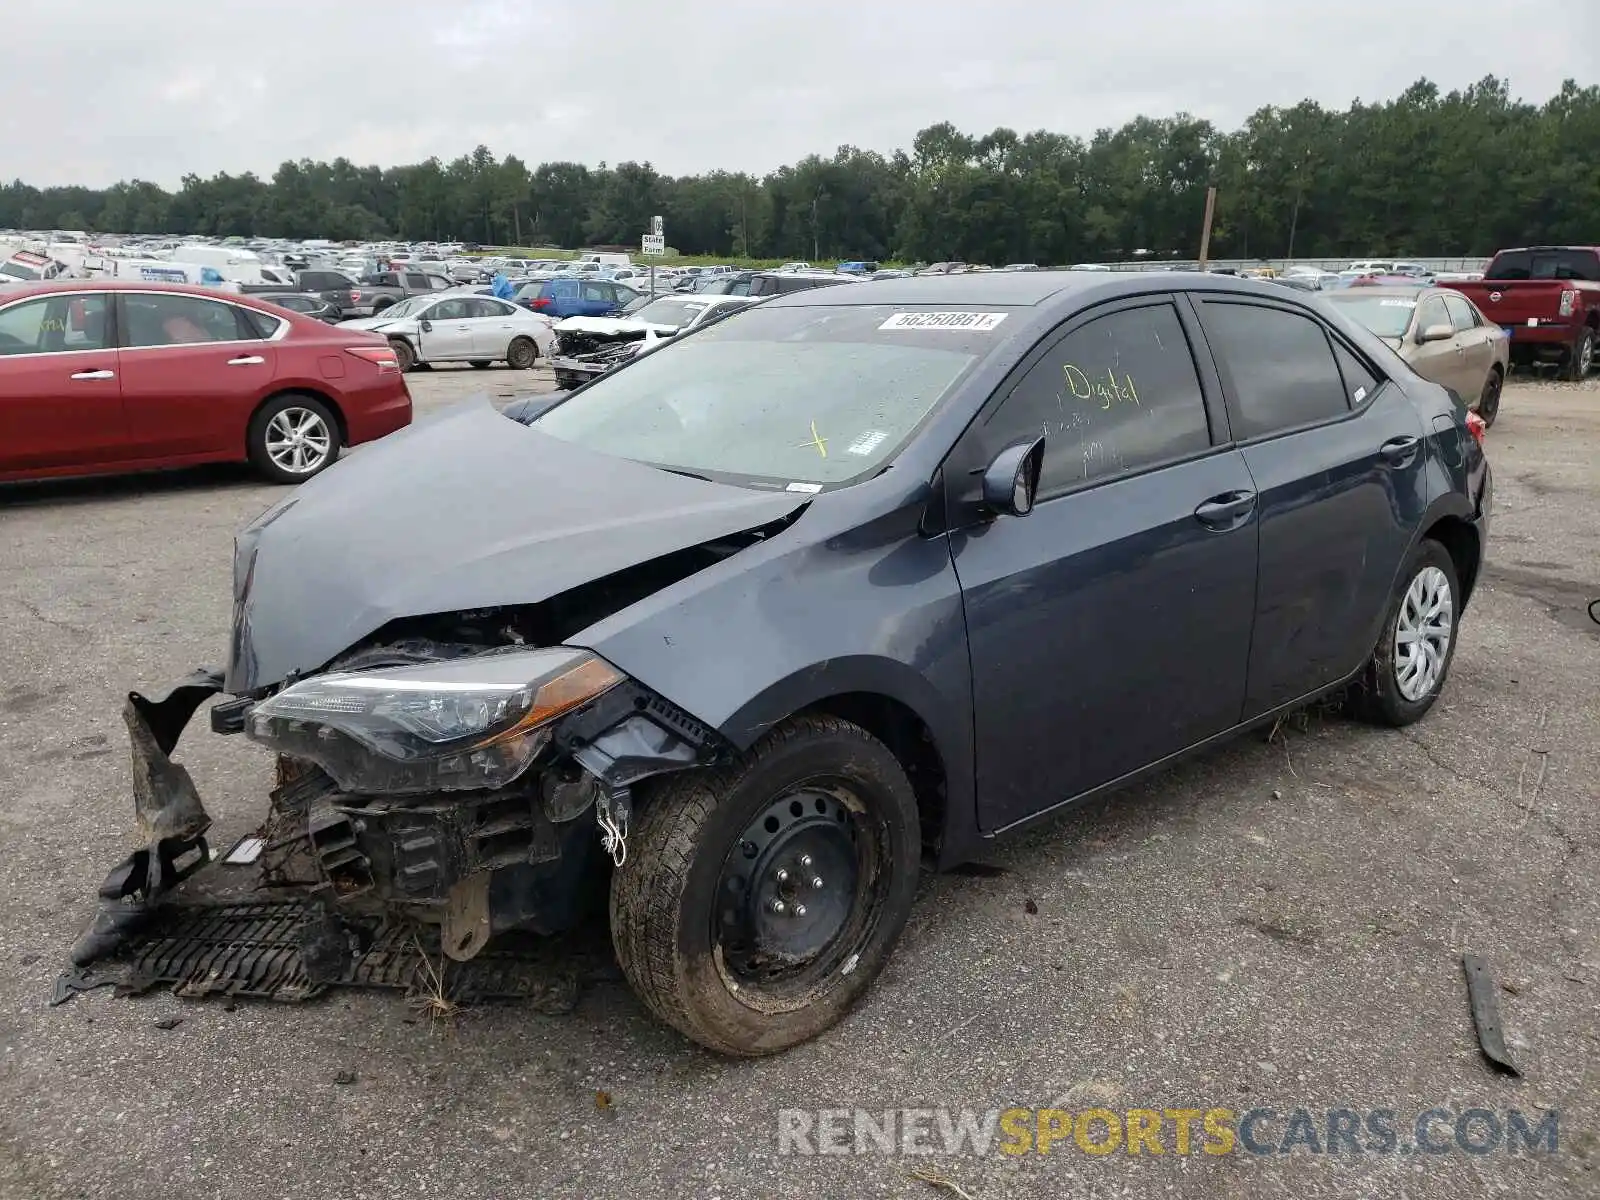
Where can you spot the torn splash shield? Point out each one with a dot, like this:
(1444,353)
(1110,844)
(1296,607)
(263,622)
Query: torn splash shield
(291,950)
(172,820)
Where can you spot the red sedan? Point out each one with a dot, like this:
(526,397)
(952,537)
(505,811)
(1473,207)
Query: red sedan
(99,376)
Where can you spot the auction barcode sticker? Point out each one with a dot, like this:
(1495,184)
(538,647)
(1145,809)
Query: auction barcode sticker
(972,322)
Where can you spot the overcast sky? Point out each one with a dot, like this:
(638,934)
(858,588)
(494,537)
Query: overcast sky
(155,89)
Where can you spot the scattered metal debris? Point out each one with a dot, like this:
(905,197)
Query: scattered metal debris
(1486,1014)
(934,1179)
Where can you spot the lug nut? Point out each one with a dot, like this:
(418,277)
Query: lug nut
(805,862)
(799,910)
(816,883)
(778,906)
(782,876)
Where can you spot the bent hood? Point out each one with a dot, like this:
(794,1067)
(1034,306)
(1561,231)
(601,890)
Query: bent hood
(467,511)
(609,325)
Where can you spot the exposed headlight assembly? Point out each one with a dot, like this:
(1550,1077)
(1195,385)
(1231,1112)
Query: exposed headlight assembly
(466,723)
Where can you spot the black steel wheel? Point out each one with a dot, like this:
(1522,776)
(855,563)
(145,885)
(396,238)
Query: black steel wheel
(759,900)
(522,353)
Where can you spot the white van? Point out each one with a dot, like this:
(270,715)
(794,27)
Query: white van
(159,270)
(607,260)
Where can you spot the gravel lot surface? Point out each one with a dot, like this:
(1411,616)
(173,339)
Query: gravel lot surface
(1278,924)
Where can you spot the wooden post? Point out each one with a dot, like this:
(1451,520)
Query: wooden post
(1205,231)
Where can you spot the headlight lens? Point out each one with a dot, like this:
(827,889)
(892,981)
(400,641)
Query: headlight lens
(464,724)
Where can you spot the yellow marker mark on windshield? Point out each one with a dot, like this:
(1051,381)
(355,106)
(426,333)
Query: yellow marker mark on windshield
(821,443)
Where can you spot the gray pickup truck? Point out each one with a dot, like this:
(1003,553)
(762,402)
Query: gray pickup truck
(372,294)
(377,292)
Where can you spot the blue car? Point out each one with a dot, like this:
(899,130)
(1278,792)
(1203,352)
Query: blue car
(557,298)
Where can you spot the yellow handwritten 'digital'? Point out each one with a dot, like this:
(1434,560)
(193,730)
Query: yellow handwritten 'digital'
(1108,391)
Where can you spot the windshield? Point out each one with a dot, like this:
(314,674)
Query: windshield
(677,313)
(805,396)
(1386,316)
(16,270)
(406,308)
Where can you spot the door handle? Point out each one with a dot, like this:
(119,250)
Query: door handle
(1398,452)
(95,375)
(246,360)
(1226,511)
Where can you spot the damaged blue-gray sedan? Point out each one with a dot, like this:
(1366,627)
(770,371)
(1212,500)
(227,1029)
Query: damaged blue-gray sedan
(755,626)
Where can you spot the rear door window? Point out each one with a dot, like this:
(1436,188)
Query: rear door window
(1546,264)
(1115,395)
(171,320)
(1279,364)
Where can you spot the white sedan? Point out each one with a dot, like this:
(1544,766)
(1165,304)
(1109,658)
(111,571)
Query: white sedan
(458,327)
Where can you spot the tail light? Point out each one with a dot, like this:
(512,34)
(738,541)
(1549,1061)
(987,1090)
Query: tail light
(1476,427)
(381,357)
(1569,303)
(541,302)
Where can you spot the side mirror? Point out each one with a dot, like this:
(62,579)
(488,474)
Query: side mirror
(1012,479)
(425,325)
(1435,333)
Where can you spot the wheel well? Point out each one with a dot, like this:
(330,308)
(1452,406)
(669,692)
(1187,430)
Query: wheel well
(333,407)
(1460,541)
(909,740)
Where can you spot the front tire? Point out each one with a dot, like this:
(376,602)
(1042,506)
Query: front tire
(405,356)
(522,354)
(1408,666)
(759,900)
(292,438)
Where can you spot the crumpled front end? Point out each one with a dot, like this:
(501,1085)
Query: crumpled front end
(418,787)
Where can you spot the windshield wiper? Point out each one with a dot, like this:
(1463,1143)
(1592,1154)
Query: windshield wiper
(685,474)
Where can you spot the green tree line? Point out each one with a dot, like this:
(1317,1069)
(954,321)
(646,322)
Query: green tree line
(1427,172)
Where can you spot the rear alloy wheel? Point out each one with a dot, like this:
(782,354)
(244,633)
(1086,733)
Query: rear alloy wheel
(759,900)
(405,356)
(1581,357)
(1489,401)
(293,438)
(1409,664)
(522,353)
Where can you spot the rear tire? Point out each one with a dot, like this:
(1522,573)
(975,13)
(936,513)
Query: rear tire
(405,356)
(820,815)
(522,354)
(1409,664)
(1489,401)
(292,438)
(1580,358)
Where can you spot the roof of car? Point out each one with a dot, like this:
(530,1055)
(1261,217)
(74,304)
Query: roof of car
(123,285)
(990,287)
(1383,289)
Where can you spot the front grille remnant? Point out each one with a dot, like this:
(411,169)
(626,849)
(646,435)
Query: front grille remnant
(255,949)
